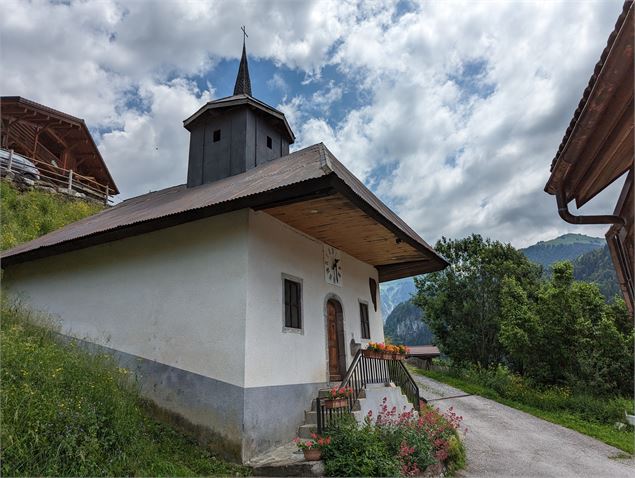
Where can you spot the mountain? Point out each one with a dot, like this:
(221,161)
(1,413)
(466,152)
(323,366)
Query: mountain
(563,248)
(404,326)
(596,266)
(394,293)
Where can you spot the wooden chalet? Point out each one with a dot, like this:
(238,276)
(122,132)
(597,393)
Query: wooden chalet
(57,143)
(597,149)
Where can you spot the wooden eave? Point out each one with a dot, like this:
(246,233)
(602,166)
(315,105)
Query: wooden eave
(598,147)
(29,120)
(340,220)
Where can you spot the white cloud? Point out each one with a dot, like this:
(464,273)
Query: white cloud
(452,157)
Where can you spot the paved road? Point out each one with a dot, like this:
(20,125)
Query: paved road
(505,442)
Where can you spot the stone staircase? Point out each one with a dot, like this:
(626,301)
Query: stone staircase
(370,399)
(287,460)
(310,416)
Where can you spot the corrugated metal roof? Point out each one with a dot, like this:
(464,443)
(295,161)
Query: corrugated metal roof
(291,176)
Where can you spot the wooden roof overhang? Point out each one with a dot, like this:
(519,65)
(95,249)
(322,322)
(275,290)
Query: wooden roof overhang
(597,148)
(342,220)
(598,145)
(46,134)
(309,190)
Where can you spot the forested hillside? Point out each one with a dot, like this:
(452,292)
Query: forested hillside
(563,248)
(597,267)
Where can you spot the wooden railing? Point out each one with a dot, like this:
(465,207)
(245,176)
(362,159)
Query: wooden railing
(60,178)
(362,372)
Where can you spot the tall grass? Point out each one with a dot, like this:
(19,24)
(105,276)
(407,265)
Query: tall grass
(30,214)
(66,412)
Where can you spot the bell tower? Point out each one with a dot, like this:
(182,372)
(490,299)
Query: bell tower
(230,135)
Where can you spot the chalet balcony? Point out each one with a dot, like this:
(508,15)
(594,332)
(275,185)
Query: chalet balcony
(45,175)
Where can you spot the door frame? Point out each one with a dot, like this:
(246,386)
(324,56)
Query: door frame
(339,317)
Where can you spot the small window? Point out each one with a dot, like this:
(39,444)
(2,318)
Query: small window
(216,136)
(292,304)
(363,315)
(269,142)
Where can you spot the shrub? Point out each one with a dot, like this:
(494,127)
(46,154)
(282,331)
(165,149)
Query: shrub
(395,443)
(420,440)
(358,451)
(520,389)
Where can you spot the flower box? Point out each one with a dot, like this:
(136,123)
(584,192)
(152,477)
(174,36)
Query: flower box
(312,454)
(336,403)
(385,352)
(312,449)
(373,354)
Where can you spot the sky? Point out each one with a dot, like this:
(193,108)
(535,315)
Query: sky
(451,112)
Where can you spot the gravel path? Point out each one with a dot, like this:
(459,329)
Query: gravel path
(502,441)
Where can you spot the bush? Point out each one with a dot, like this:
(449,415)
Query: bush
(66,412)
(358,451)
(395,444)
(550,398)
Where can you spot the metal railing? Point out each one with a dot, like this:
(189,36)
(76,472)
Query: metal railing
(60,178)
(362,372)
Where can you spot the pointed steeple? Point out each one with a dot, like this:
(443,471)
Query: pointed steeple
(243,83)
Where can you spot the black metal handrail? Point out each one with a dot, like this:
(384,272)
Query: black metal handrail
(363,371)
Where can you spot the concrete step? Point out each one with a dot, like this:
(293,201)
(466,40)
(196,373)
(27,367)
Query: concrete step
(285,460)
(305,430)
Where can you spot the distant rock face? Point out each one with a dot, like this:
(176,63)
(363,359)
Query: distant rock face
(394,293)
(404,325)
(564,248)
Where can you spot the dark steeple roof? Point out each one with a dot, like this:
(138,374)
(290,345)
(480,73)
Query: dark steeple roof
(243,83)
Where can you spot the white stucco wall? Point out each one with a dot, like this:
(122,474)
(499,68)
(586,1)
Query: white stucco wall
(176,296)
(275,357)
(205,297)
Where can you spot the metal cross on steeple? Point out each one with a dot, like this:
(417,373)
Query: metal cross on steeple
(243,83)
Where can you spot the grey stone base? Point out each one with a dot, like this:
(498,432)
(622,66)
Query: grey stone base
(235,422)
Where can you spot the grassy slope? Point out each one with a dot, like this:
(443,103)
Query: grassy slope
(64,412)
(27,215)
(605,432)
(68,413)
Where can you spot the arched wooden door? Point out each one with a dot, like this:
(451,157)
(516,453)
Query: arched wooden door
(335,332)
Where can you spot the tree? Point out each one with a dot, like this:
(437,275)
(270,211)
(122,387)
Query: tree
(519,325)
(462,303)
(567,335)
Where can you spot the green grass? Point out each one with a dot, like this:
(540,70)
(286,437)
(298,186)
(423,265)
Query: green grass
(542,406)
(69,413)
(30,214)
